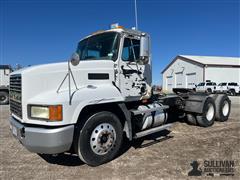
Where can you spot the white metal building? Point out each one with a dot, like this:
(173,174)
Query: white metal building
(186,71)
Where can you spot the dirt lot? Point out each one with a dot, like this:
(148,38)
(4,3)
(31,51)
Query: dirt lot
(168,159)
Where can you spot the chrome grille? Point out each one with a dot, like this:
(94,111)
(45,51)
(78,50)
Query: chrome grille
(16,95)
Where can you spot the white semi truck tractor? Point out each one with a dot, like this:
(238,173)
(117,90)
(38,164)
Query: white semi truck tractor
(5,71)
(99,98)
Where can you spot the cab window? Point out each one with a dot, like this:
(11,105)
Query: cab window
(222,84)
(7,72)
(201,84)
(232,84)
(131,50)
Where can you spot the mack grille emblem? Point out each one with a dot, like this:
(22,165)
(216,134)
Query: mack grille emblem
(15,96)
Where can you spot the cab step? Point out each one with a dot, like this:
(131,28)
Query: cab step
(151,131)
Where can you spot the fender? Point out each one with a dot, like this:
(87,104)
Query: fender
(92,95)
(194,103)
(84,96)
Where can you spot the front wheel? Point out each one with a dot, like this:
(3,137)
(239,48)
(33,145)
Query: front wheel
(100,138)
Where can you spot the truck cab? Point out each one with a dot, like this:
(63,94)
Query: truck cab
(5,71)
(233,88)
(88,104)
(207,86)
(222,87)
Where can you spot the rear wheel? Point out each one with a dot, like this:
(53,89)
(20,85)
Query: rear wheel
(4,98)
(191,119)
(209,110)
(100,139)
(223,107)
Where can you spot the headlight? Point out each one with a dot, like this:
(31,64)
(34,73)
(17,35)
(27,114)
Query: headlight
(51,113)
(39,112)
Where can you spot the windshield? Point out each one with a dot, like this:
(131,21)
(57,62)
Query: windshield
(222,84)
(99,47)
(232,84)
(201,84)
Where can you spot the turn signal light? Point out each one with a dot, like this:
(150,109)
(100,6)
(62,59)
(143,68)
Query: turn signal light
(55,113)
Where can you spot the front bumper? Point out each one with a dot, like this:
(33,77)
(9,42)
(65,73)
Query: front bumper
(43,140)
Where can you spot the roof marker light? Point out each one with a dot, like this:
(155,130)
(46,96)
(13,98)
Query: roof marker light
(116,26)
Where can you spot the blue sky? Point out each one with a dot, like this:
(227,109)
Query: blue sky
(45,31)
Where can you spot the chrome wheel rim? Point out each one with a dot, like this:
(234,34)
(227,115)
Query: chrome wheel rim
(103,139)
(225,109)
(210,112)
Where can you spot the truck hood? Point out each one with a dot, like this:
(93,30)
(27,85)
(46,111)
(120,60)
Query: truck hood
(41,78)
(46,79)
(37,68)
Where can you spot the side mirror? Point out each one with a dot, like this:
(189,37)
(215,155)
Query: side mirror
(75,59)
(144,49)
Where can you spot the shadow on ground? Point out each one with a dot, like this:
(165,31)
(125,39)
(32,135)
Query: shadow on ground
(62,159)
(67,159)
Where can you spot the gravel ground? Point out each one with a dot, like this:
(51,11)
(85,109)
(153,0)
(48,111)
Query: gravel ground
(166,159)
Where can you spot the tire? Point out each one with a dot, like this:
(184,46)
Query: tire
(207,118)
(209,90)
(223,107)
(191,119)
(4,98)
(233,93)
(100,139)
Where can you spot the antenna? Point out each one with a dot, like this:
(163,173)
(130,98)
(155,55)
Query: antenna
(136,19)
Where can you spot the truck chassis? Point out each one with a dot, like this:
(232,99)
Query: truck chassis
(107,124)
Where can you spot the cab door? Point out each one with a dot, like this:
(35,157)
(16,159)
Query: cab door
(220,87)
(133,75)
